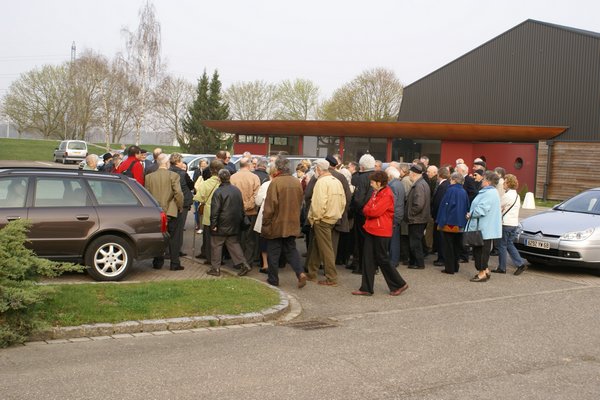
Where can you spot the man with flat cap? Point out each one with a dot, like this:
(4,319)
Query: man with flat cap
(416,214)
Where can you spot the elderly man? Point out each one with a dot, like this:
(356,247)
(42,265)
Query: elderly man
(226,216)
(281,221)
(327,206)
(165,187)
(436,201)
(248,183)
(407,184)
(398,190)
(469,184)
(261,170)
(431,177)
(91,163)
(362,194)
(417,213)
(154,166)
(187,186)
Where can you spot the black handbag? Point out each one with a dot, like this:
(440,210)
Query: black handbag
(472,238)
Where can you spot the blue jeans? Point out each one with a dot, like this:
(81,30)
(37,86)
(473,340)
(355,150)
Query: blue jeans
(507,245)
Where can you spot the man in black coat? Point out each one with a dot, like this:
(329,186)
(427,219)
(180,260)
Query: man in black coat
(470,185)
(436,201)
(362,194)
(261,170)
(187,186)
(226,217)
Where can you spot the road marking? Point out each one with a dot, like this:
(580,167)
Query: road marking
(44,163)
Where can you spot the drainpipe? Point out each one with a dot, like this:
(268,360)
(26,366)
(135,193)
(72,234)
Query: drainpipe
(550,144)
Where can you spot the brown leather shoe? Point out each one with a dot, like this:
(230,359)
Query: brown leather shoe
(302,280)
(361,293)
(398,292)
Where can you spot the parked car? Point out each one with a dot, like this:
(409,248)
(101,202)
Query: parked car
(568,235)
(193,161)
(70,150)
(104,221)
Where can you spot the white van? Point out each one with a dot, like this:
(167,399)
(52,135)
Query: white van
(71,150)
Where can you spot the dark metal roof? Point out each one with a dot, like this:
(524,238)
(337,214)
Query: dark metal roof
(534,74)
(408,130)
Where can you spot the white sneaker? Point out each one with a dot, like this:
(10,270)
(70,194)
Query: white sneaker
(199,231)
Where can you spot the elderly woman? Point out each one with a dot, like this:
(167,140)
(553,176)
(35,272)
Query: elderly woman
(451,221)
(379,218)
(485,216)
(510,204)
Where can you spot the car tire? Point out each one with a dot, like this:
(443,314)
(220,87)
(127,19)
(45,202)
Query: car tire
(109,258)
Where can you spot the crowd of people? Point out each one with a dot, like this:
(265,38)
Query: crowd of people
(368,216)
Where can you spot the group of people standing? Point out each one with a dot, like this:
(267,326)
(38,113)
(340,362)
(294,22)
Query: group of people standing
(358,214)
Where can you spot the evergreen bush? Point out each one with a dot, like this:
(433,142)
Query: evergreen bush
(20,269)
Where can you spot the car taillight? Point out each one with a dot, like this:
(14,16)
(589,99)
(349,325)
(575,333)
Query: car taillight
(163,222)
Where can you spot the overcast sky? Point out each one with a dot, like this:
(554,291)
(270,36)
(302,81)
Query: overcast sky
(327,41)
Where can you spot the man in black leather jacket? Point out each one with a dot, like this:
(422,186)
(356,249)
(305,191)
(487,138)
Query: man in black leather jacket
(226,218)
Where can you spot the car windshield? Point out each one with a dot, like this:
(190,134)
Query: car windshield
(586,202)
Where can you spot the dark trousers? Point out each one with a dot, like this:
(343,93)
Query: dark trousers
(345,247)
(277,247)
(415,238)
(249,241)
(376,254)
(173,246)
(181,219)
(438,243)
(359,243)
(481,254)
(452,244)
(206,242)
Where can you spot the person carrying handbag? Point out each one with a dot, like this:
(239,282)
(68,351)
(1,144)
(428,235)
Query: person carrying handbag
(486,216)
(510,204)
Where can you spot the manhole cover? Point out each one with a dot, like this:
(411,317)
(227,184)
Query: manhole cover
(310,325)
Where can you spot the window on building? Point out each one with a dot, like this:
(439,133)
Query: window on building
(251,139)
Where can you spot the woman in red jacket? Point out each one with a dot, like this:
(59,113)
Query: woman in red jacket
(379,214)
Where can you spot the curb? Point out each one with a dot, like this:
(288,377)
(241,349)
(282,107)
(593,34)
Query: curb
(158,327)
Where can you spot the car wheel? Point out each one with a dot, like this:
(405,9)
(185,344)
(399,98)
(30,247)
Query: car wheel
(109,258)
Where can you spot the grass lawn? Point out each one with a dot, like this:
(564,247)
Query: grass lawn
(42,150)
(108,302)
(547,203)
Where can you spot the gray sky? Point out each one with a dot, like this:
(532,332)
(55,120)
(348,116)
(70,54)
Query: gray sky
(327,41)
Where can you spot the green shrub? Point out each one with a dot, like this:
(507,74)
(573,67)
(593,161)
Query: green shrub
(20,269)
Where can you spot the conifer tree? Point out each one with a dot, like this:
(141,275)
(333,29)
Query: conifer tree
(208,105)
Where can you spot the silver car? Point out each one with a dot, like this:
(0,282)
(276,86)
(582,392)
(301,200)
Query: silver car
(568,235)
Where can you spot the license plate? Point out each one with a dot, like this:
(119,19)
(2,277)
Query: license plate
(538,244)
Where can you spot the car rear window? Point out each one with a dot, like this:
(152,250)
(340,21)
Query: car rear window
(77,145)
(111,193)
(12,192)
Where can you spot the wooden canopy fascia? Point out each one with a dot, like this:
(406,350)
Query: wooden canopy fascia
(405,130)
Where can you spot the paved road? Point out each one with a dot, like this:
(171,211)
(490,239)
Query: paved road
(535,336)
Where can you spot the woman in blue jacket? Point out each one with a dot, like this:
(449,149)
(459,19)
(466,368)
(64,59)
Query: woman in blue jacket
(485,216)
(451,220)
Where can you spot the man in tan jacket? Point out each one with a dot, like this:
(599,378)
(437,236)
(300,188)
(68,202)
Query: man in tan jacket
(248,183)
(165,187)
(326,208)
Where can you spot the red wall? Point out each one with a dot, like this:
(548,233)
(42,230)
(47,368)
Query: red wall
(496,155)
(253,148)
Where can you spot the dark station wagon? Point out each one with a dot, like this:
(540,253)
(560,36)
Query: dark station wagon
(104,221)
